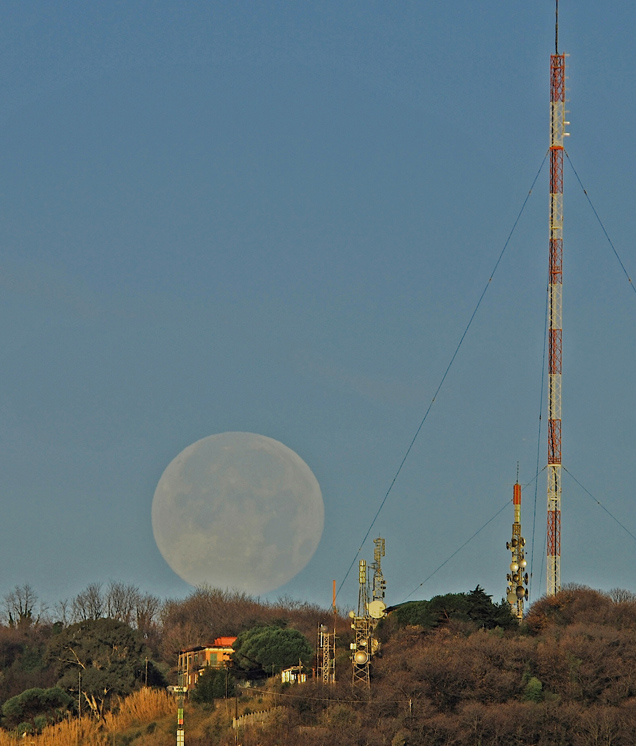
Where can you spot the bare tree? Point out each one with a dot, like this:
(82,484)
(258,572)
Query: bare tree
(89,604)
(121,600)
(621,596)
(147,613)
(20,606)
(62,613)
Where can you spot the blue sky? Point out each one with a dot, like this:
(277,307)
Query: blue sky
(278,217)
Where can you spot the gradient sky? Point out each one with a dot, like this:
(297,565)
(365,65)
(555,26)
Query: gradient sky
(278,217)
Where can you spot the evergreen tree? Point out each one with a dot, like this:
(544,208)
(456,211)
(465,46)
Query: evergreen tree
(476,607)
(271,649)
(213,683)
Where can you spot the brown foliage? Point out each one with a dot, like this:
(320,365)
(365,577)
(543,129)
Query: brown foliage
(566,676)
(454,687)
(208,613)
(581,604)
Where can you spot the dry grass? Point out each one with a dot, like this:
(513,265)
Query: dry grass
(142,707)
(82,732)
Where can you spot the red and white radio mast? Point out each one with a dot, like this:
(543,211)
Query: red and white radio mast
(557,135)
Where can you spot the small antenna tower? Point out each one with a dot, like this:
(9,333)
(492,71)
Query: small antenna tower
(361,625)
(555,332)
(368,617)
(517,578)
(326,655)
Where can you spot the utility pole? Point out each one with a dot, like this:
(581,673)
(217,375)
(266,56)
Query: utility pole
(335,623)
(180,703)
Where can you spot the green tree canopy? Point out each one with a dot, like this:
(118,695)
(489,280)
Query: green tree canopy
(271,649)
(36,703)
(103,656)
(475,606)
(214,683)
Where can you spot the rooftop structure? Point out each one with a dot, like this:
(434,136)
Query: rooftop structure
(193,661)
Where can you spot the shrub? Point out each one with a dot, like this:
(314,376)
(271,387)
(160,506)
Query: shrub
(213,683)
(534,690)
(48,703)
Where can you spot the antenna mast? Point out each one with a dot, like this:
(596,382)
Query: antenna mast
(363,623)
(517,591)
(557,134)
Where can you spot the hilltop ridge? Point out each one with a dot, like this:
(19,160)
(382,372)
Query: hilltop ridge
(454,670)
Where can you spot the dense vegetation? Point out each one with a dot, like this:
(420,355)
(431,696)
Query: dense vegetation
(84,655)
(270,649)
(475,606)
(452,670)
(566,676)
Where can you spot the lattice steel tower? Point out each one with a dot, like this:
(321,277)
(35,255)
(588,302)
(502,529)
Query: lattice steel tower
(366,644)
(326,655)
(361,623)
(555,331)
(517,591)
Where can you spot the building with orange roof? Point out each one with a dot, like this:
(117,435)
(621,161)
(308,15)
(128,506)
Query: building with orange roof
(193,661)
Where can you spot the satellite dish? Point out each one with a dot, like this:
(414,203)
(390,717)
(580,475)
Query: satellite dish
(512,597)
(360,658)
(377,609)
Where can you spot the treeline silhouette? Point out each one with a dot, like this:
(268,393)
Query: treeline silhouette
(454,670)
(566,676)
(29,630)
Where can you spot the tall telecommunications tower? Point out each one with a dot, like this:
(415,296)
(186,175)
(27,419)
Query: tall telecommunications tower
(557,134)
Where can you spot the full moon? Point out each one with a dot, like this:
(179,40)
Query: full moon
(238,511)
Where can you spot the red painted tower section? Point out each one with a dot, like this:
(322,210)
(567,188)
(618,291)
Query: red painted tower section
(517,591)
(555,332)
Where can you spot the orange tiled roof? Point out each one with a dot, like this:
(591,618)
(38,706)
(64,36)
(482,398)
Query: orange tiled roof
(224,642)
(220,642)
